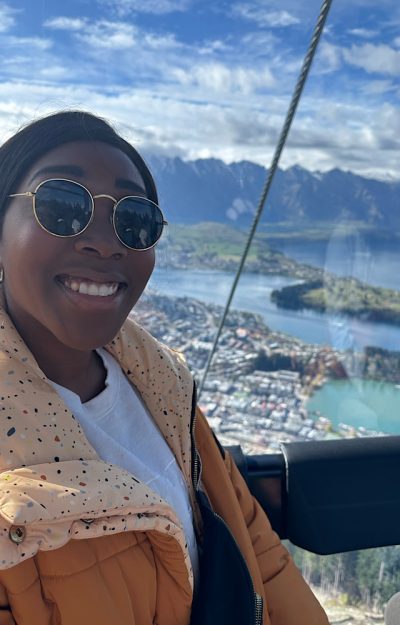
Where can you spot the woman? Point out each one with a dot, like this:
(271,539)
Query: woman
(116,503)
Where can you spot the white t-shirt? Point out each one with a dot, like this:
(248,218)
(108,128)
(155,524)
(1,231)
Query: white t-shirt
(118,426)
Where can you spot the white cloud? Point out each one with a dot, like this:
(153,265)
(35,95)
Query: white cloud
(329,57)
(105,35)
(223,79)
(109,35)
(325,133)
(256,11)
(29,42)
(379,59)
(161,42)
(54,72)
(224,97)
(379,87)
(372,58)
(65,23)
(259,43)
(364,33)
(278,19)
(7,19)
(123,8)
(214,46)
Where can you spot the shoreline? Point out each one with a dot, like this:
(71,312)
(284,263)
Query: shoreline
(186,252)
(323,296)
(260,380)
(308,325)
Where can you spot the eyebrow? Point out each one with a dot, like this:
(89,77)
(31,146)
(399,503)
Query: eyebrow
(75,170)
(124,183)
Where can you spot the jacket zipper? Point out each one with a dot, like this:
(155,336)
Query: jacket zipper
(258,601)
(258,609)
(195,454)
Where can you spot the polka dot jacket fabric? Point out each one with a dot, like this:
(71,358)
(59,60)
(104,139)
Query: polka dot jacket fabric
(52,482)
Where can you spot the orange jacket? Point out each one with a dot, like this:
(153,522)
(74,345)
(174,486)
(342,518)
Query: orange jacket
(83,542)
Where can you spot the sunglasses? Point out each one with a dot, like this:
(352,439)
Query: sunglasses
(65,208)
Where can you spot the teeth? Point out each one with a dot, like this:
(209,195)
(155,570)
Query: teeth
(91,288)
(104,290)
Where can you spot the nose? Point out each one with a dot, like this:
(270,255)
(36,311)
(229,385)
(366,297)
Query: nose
(99,238)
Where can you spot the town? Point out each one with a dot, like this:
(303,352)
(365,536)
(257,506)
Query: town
(256,391)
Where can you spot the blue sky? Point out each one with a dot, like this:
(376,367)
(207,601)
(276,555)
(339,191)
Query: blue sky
(201,78)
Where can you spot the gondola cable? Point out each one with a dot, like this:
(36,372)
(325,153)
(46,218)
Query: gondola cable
(308,59)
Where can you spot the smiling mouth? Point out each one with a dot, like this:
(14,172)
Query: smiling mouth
(88,287)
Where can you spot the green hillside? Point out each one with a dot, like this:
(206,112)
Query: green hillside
(342,295)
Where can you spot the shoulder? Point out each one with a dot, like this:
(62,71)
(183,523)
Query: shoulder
(133,338)
(156,370)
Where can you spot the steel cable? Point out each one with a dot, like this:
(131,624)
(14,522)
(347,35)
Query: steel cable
(323,14)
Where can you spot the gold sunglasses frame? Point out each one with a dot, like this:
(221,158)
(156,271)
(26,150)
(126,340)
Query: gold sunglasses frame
(32,194)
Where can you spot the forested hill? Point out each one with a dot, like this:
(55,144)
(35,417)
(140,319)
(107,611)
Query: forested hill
(210,190)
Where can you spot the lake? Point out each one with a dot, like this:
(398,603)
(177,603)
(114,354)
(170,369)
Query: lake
(253,294)
(378,267)
(373,405)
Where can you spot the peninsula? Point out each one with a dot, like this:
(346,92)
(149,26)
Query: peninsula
(218,247)
(346,296)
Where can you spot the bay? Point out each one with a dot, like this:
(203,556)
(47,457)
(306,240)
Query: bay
(373,405)
(253,295)
(378,267)
(366,403)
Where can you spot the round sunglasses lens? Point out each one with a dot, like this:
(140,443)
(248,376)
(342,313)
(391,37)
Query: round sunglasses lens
(138,222)
(63,207)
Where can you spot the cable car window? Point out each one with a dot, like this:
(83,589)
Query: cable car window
(310,349)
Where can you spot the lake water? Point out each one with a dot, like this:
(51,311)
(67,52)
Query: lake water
(379,267)
(375,405)
(370,404)
(253,294)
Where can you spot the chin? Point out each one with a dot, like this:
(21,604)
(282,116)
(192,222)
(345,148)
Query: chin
(89,341)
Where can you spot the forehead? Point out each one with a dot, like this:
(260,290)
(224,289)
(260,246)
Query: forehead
(90,162)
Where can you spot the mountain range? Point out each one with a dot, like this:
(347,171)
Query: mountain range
(211,190)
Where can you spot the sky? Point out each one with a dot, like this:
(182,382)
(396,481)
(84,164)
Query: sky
(210,78)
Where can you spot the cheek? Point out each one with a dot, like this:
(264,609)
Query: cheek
(150,261)
(141,268)
(25,249)
(18,231)
(144,263)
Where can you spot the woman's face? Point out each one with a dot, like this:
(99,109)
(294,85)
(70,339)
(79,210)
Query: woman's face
(39,267)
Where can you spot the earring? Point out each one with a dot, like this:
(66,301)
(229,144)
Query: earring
(1,275)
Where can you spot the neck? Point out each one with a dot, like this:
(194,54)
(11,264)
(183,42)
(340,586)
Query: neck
(84,376)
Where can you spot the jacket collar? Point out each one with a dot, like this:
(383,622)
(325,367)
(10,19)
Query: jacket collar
(35,411)
(49,472)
